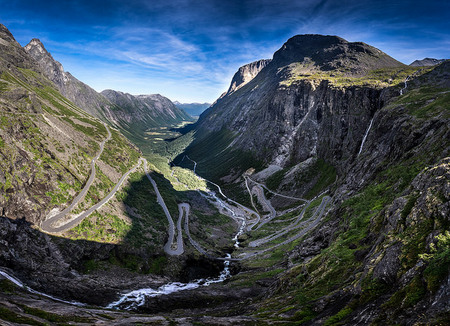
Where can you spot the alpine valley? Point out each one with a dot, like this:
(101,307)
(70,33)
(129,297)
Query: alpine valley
(315,191)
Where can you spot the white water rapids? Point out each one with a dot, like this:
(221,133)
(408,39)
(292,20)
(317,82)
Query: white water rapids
(137,298)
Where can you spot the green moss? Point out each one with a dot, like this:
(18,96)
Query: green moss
(188,178)
(55,318)
(157,265)
(119,153)
(378,78)
(439,262)
(304,315)
(60,195)
(102,228)
(8,315)
(407,296)
(371,289)
(3,86)
(248,279)
(274,181)
(334,320)
(91,265)
(409,206)
(7,286)
(425,102)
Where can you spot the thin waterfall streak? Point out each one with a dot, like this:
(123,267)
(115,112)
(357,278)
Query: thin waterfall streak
(365,136)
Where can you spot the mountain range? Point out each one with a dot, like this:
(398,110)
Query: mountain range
(131,114)
(194,109)
(334,154)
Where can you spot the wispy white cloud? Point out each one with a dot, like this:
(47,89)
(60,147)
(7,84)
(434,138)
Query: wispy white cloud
(190,49)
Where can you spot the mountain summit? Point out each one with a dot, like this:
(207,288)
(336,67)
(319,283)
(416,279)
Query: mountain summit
(329,53)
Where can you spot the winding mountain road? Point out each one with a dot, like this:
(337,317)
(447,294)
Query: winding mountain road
(47,224)
(47,227)
(168,246)
(274,193)
(316,218)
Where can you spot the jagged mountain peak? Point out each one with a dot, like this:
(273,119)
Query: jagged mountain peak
(246,73)
(12,55)
(6,35)
(37,50)
(52,68)
(36,43)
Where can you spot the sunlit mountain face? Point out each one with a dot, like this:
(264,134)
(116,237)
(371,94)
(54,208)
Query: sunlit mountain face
(224,163)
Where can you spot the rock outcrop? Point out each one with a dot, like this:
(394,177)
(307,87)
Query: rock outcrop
(246,73)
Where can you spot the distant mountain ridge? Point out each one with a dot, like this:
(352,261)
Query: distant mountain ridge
(194,109)
(147,110)
(132,114)
(427,62)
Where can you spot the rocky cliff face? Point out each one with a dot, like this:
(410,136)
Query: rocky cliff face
(245,74)
(304,102)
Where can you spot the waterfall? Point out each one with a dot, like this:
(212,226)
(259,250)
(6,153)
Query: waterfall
(23,286)
(365,136)
(406,86)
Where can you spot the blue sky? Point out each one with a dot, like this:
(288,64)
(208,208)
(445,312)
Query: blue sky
(189,50)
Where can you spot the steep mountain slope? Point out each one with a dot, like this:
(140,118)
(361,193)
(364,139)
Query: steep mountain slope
(146,119)
(56,158)
(48,146)
(132,115)
(79,93)
(285,113)
(47,142)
